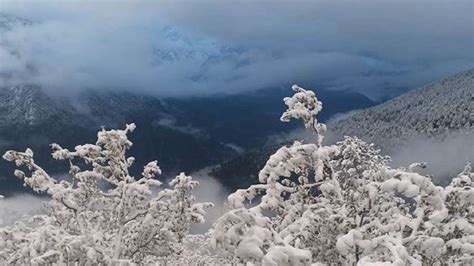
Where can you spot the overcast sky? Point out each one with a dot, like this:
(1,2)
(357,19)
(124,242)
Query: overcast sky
(211,47)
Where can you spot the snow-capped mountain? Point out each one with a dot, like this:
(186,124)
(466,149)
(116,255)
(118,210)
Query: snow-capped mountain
(433,111)
(175,44)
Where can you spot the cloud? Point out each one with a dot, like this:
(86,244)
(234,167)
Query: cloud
(215,47)
(445,158)
(14,207)
(209,190)
(170,122)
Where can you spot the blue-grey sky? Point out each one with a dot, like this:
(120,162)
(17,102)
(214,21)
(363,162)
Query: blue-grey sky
(212,47)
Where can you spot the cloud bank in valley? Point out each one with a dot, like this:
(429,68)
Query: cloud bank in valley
(15,207)
(445,158)
(212,47)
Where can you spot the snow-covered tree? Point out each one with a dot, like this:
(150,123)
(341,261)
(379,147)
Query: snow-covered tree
(103,215)
(343,204)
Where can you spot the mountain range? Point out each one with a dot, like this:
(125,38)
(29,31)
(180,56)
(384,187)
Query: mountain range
(183,134)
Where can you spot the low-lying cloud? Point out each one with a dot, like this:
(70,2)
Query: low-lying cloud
(17,206)
(170,122)
(176,48)
(209,190)
(445,158)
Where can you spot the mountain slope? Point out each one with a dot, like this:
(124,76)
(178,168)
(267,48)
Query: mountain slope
(433,111)
(25,106)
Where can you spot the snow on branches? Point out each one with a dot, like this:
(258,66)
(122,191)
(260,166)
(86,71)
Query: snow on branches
(305,106)
(125,222)
(343,205)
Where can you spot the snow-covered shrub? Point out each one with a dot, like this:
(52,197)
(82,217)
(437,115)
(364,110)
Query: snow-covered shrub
(86,224)
(342,204)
